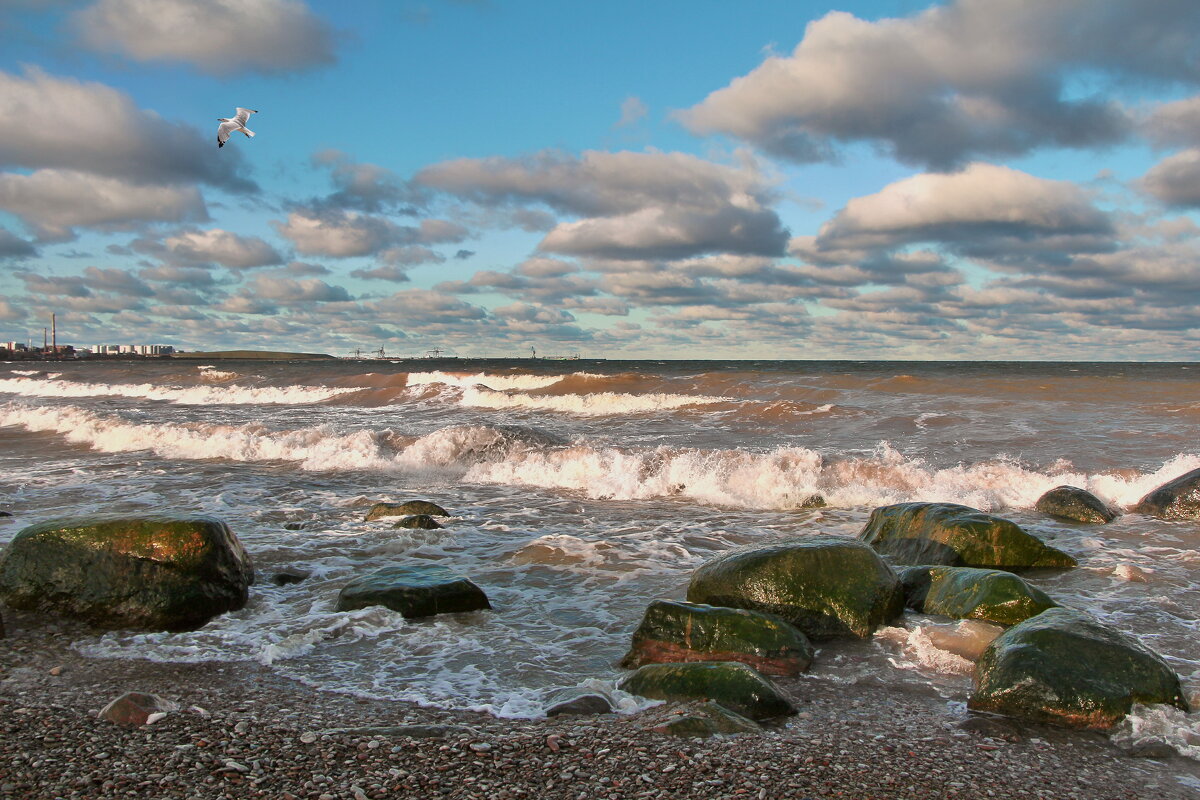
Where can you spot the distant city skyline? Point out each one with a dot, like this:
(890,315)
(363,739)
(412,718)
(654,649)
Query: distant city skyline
(976,179)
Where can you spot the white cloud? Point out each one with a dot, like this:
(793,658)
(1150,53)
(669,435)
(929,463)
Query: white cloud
(287,291)
(1176,179)
(344,234)
(220,247)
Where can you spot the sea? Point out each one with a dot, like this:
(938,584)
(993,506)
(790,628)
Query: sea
(580,491)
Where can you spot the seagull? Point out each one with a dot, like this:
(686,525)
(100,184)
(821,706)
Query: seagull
(238,123)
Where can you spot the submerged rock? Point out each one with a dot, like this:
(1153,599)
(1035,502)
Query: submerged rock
(735,686)
(405,509)
(420,590)
(970,593)
(288,578)
(1064,667)
(827,586)
(133,709)
(1072,503)
(418,521)
(1177,499)
(673,632)
(161,572)
(579,704)
(958,536)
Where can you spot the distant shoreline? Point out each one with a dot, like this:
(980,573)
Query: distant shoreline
(255,355)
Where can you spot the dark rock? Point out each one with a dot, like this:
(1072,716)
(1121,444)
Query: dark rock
(404,509)
(956,536)
(5,513)
(1077,505)
(2,632)
(1064,667)
(1150,748)
(827,586)
(415,591)
(293,526)
(135,708)
(969,593)
(420,521)
(580,705)
(735,686)
(288,578)
(1177,499)
(708,719)
(673,632)
(161,572)
(814,501)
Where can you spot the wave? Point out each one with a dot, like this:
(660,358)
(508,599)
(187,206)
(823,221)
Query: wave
(782,478)
(183,395)
(597,404)
(520,381)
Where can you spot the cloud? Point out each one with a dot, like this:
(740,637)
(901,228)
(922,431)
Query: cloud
(52,202)
(13,246)
(632,205)
(216,246)
(967,79)
(67,124)
(366,187)
(1175,180)
(1175,124)
(344,234)
(289,291)
(220,37)
(633,110)
(384,272)
(117,281)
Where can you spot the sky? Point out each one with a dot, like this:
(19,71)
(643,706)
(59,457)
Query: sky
(971,179)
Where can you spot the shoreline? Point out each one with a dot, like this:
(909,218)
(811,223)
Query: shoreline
(244,731)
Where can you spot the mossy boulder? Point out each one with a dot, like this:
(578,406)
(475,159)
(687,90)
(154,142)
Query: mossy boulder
(827,586)
(675,631)
(1177,499)
(957,536)
(734,685)
(157,572)
(1075,504)
(707,719)
(420,590)
(418,522)
(991,595)
(1064,667)
(380,510)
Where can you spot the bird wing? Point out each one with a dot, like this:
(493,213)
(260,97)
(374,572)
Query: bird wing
(223,131)
(243,115)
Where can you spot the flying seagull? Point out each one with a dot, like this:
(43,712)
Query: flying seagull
(238,123)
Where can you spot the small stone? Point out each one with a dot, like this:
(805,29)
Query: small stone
(56,671)
(308,738)
(481,747)
(135,708)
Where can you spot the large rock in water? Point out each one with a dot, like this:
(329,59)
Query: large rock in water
(1177,499)
(380,510)
(675,632)
(420,590)
(161,572)
(827,586)
(1064,667)
(1073,503)
(738,687)
(969,593)
(956,536)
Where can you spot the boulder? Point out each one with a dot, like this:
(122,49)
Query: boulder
(827,586)
(970,593)
(674,631)
(133,709)
(289,577)
(707,719)
(735,686)
(1064,667)
(404,509)
(956,536)
(1077,505)
(420,590)
(418,521)
(579,704)
(1177,499)
(160,572)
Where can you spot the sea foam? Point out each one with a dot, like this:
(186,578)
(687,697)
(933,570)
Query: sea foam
(184,395)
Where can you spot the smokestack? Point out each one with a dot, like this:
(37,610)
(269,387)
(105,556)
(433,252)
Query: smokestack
(54,332)
(44,343)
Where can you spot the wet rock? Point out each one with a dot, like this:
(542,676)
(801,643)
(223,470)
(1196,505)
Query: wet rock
(1177,499)
(293,526)
(405,509)
(676,632)
(1066,668)
(735,686)
(580,705)
(708,719)
(288,577)
(418,521)
(133,709)
(2,633)
(827,586)
(159,572)
(970,593)
(1077,505)
(420,590)
(814,501)
(958,536)
(5,514)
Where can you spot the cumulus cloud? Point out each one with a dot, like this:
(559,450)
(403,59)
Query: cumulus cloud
(216,246)
(51,202)
(220,37)
(1176,179)
(967,79)
(13,246)
(366,187)
(1176,123)
(284,290)
(383,272)
(67,124)
(630,205)
(344,234)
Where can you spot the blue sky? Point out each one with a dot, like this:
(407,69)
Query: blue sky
(983,179)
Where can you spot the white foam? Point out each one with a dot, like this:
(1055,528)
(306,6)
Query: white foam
(1160,724)
(596,404)
(917,651)
(189,395)
(497,382)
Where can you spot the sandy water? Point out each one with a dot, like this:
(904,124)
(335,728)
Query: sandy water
(583,490)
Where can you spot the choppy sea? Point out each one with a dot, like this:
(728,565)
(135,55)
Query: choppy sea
(582,490)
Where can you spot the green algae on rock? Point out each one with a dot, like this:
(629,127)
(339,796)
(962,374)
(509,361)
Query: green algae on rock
(1066,668)
(411,507)
(1177,499)
(991,595)
(708,719)
(418,522)
(1075,504)
(736,686)
(673,631)
(958,536)
(157,572)
(419,590)
(827,586)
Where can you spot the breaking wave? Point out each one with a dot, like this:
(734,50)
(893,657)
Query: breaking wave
(183,395)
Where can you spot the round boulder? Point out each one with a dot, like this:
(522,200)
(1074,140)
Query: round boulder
(1077,505)
(1064,667)
(380,510)
(991,595)
(734,685)
(159,572)
(420,590)
(674,632)
(827,586)
(1177,499)
(419,522)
